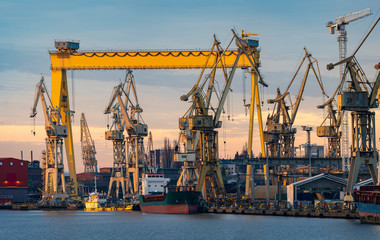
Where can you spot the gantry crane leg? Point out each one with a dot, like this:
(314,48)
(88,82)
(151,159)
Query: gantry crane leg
(255,95)
(60,99)
(363,149)
(209,162)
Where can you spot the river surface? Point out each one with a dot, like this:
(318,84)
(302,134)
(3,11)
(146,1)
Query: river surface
(69,225)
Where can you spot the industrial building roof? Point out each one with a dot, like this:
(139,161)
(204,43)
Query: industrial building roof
(320,176)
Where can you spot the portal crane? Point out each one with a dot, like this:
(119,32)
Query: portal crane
(136,130)
(279,134)
(53,169)
(359,99)
(88,147)
(201,150)
(119,171)
(339,24)
(332,129)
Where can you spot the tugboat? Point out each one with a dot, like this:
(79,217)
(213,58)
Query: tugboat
(157,197)
(367,199)
(95,201)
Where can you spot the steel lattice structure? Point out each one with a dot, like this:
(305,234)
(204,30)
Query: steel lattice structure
(88,147)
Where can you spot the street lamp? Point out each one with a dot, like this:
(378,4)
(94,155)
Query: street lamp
(308,130)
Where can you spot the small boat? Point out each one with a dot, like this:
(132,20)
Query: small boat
(96,201)
(129,207)
(367,199)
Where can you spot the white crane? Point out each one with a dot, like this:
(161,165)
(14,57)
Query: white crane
(53,169)
(339,24)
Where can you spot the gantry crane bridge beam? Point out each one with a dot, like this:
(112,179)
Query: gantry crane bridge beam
(315,162)
(141,60)
(68,58)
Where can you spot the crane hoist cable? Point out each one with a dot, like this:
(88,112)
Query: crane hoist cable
(73,94)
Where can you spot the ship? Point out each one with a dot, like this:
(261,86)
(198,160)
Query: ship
(157,197)
(367,199)
(95,202)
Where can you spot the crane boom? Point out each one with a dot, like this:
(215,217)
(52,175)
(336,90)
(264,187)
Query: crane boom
(40,94)
(353,16)
(339,22)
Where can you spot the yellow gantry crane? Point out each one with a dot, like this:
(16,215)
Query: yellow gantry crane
(52,162)
(67,57)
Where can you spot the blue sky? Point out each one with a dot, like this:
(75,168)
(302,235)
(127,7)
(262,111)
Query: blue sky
(28,30)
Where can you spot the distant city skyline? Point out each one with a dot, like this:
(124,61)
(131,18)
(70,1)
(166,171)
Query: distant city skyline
(30,28)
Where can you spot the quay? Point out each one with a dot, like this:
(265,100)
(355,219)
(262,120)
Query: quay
(348,214)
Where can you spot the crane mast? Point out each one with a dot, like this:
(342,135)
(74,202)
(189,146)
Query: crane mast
(339,24)
(359,98)
(88,147)
(52,162)
(130,112)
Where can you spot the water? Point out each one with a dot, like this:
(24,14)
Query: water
(70,225)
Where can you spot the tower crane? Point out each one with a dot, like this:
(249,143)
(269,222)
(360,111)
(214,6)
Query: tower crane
(136,129)
(53,168)
(359,99)
(198,125)
(88,147)
(339,24)
(279,134)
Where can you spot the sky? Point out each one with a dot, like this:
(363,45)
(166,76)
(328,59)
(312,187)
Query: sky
(29,28)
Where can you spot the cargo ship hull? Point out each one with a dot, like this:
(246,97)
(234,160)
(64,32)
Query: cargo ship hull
(367,200)
(180,202)
(369,213)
